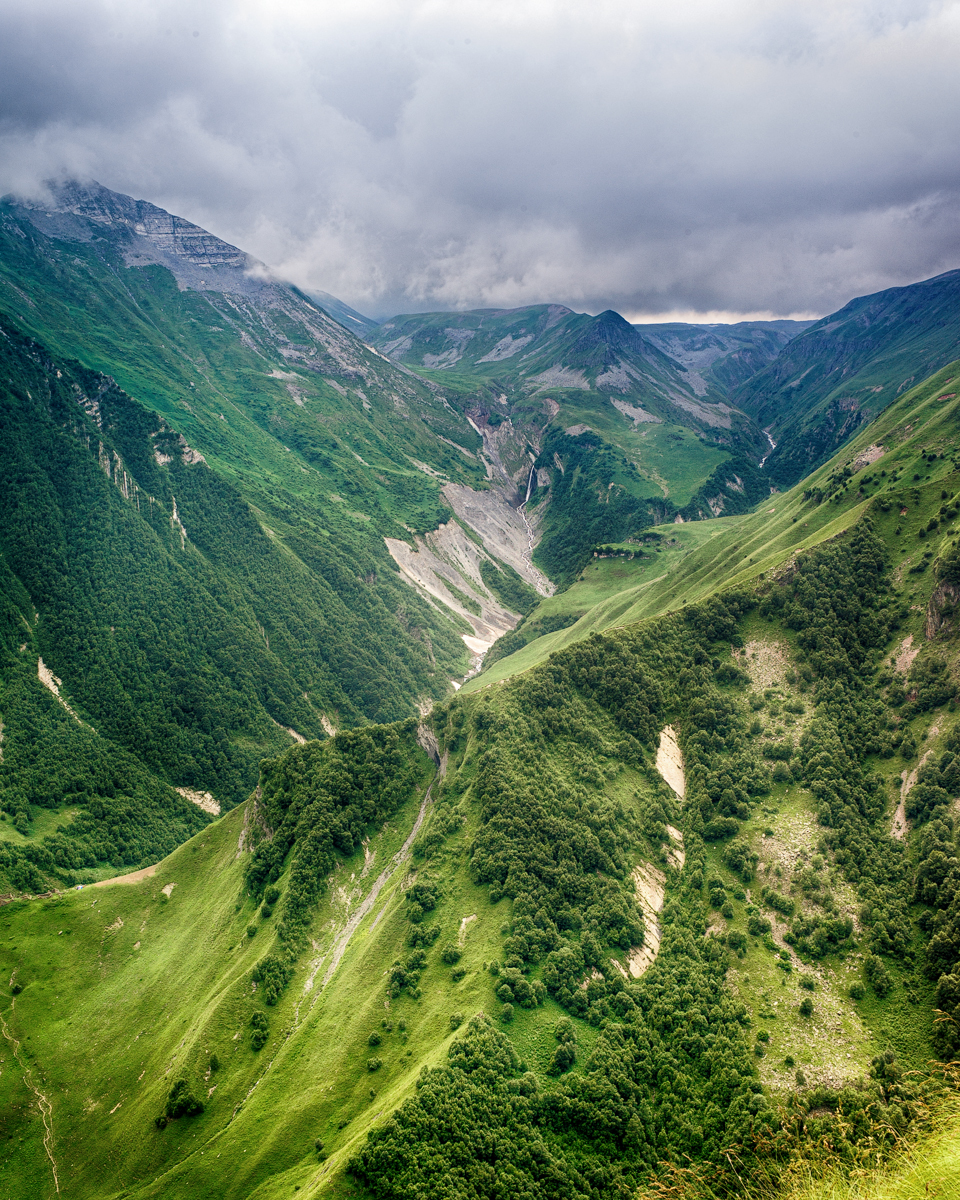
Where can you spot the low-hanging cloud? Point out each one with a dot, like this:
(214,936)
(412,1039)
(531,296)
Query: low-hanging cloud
(755,156)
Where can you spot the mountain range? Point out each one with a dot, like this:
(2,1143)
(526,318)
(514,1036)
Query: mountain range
(477,754)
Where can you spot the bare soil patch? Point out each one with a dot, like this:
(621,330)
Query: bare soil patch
(132,877)
(670,760)
(765,662)
(906,654)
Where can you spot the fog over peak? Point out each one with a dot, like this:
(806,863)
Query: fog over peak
(758,157)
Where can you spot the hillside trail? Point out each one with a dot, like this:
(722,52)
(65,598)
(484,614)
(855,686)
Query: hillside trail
(343,939)
(46,1108)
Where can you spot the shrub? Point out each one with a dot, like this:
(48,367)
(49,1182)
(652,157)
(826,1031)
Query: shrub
(806,1007)
(563,1059)
(374,1064)
(181,1102)
(374,1039)
(857,990)
(808,982)
(450,955)
(456,1020)
(260,1026)
(740,858)
(781,904)
(877,975)
(506,1013)
(719,828)
(251,930)
(757,925)
(273,974)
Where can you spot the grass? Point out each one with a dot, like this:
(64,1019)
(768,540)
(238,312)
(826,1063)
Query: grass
(926,1167)
(708,556)
(126,988)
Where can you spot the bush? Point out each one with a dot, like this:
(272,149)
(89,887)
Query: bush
(563,1059)
(857,990)
(251,930)
(181,1102)
(740,858)
(374,1064)
(450,955)
(806,1007)
(261,1027)
(758,925)
(374,1039)
(877,975)
(273,974)
(719,828)
(808,982)
(506,1013)
(456,1020)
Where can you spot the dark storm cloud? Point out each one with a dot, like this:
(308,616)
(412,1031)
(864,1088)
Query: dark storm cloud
(750,156)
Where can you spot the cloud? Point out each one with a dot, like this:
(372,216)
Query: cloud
(760,155)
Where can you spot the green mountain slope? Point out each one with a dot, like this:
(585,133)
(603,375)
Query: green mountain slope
(677,903)
(621,435)
(333,447)
(843,370)
(888,462)
(184,637)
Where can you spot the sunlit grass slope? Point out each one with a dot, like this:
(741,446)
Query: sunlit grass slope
(701,558)
(113,994)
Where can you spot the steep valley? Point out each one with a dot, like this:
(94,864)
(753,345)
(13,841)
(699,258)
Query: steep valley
(662,900)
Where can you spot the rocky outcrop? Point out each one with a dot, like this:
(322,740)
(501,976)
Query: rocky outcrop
(941,609)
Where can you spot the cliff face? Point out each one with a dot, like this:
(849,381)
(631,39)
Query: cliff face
(147,234)
(942,608)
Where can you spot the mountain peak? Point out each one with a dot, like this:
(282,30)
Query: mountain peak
(83,211)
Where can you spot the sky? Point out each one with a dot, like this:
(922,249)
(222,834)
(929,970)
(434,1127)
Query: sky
(698,160)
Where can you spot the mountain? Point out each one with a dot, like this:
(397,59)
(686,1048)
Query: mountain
(718,358)
(621,431)
(363,472)
(843,370)
(670,909)
(548,348)
(663,901)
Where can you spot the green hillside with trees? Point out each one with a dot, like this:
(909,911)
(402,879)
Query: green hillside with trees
(671,911)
